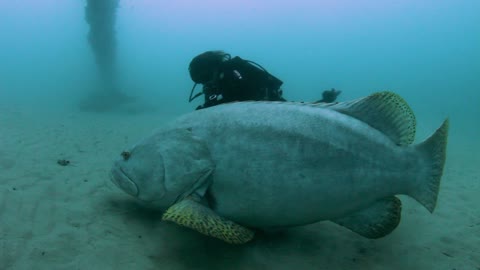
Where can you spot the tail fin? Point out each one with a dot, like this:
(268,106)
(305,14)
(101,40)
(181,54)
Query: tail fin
(434,149)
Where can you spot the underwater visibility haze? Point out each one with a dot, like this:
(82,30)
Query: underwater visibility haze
(81,81)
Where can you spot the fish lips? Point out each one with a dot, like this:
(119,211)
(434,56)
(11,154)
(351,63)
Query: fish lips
(121,180)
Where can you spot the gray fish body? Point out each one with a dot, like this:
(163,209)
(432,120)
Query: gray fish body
(279,165)
(271,165)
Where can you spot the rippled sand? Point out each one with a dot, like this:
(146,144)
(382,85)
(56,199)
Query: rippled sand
(72,217)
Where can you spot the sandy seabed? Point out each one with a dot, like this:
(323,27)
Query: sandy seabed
(73,217)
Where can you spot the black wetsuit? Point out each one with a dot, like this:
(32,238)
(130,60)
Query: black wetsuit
(240,80)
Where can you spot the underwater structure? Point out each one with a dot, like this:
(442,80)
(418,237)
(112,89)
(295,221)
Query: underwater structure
(100,15)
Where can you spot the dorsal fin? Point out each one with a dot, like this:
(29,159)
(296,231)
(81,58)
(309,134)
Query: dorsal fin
(384,111)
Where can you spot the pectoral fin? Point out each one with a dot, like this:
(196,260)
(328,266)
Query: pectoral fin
(196,216)
(376,221)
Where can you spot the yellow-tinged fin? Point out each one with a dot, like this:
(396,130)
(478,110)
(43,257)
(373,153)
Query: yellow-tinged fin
(384,111)
(376,221)
(193,215)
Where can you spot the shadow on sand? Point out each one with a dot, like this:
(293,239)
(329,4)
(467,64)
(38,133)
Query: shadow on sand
(319,246)
(114,101)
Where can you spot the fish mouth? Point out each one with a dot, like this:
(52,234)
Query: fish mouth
(121,180)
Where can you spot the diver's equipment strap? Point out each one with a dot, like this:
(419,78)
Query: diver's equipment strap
(191,93)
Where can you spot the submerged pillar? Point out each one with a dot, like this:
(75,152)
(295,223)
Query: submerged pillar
(101,17)
(106,95)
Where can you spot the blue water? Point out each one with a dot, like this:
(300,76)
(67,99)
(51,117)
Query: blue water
(426,51)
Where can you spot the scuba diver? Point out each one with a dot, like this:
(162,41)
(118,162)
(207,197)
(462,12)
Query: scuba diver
(227,79)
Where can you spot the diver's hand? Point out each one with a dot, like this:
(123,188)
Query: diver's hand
(330,96)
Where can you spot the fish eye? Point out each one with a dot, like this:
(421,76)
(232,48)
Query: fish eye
(125,155)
